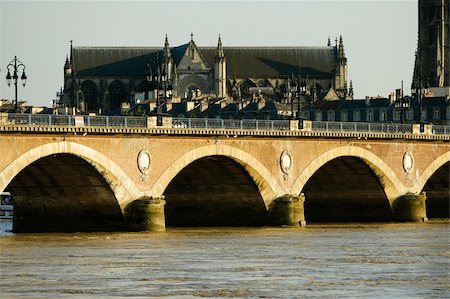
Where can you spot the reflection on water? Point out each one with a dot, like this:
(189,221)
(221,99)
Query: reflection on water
(343,260)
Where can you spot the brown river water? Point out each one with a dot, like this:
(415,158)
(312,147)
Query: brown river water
(383,260)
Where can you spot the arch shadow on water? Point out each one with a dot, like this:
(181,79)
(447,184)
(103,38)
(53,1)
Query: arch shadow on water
(63,192)
(345,189)
(214,191)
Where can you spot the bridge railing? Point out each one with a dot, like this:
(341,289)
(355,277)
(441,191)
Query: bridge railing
(242,124)
(360,127)
(439,129)
(216,123)
(75,120)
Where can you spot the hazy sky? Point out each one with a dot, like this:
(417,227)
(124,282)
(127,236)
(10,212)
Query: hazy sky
(380,37)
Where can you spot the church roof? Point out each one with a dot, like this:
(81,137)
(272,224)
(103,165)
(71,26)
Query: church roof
(113,61)
(241,61)
(273,61)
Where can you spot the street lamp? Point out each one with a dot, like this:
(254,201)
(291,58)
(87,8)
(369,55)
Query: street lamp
(402,104)
(298,92)
(15,65)
(161,81)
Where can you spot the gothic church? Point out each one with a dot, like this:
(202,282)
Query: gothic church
(101,79)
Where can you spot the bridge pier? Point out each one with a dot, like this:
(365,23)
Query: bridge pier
(410,207)
(146,214)
(288,210)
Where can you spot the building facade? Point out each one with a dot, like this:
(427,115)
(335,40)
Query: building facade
(100,79)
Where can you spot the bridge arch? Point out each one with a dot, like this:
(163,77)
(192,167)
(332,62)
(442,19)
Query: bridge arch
(431,169)
(393,187)
(434,180)
(266,183)
(120,184)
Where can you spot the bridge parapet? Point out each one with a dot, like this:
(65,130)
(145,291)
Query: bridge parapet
(228,127)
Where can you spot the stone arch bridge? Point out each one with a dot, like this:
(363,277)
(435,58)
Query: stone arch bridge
(88,178)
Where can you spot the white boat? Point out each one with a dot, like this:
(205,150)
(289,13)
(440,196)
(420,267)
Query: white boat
(6,206)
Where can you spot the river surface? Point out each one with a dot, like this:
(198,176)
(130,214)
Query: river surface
(389,260)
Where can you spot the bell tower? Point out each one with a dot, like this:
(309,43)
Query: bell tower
(433,53)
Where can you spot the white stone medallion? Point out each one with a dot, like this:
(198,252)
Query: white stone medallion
(408,162)
(285,162)
(143,162)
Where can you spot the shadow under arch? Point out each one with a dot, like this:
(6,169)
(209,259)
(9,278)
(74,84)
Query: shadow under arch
(121,185)
(392,186)
(266,183)
(434,181)
(214,191)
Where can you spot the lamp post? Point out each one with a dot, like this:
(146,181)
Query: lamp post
(15,65)
(301,96)
(298,92)
(161,81)
(401,103)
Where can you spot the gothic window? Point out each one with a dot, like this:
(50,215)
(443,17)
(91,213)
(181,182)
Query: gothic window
(90,95)
(117,95)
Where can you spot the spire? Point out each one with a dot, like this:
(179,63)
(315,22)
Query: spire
(350,91)
(191,46)
(71,52)
(166,49)
(219,50)
(341,47)
(329,42)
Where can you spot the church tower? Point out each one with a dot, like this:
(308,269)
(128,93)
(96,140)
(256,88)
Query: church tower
(433,54)
(220,71)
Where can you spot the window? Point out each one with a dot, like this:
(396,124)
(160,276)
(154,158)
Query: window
(330,115)
(396,115)
(369,115)
(410,114)
(319,115)
(383,115)
(344,115)
(436,114)
(423,116)
(306,115)
(357,115)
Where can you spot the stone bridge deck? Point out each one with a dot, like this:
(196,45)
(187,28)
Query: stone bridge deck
(97,177)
